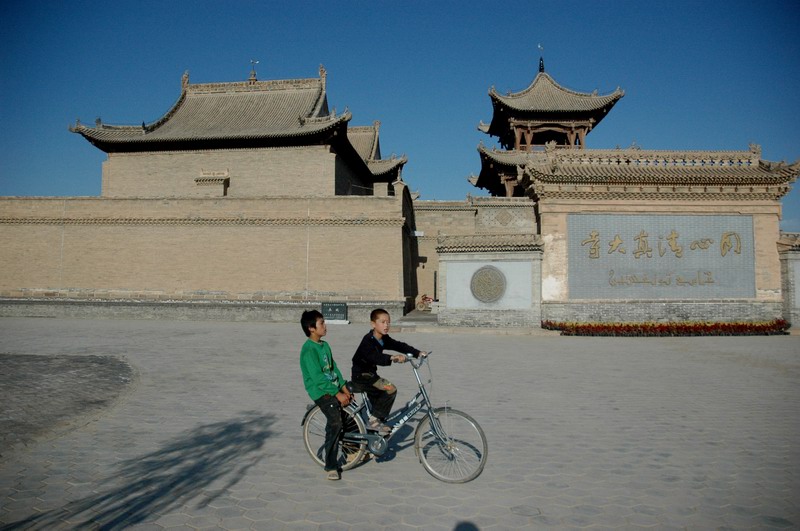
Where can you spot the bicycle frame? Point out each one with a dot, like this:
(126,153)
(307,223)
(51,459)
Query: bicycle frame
(399,418)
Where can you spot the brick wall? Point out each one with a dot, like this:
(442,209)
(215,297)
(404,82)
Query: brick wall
(632,311)
(489,318)
(258,311)
(333,248)
(295,171)
(474,215)
(790,273)
(434,218)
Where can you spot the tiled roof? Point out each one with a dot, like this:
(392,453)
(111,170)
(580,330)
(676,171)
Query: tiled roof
(508,158)
(663,167)
(488,243)
(545,95)
(366,141)
(386,166)
(229,111)
(644,166)
(250,113)
(789,241)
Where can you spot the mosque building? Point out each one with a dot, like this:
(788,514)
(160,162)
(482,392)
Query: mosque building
(254,200)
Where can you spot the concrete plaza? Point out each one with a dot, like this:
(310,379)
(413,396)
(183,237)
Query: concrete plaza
(116,424)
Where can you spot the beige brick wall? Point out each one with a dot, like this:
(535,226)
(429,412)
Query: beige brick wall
(296,171)
(269,249)
(434,218)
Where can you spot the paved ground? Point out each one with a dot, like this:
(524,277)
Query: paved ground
(156,424)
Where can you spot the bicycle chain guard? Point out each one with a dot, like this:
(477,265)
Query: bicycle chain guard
(377,445)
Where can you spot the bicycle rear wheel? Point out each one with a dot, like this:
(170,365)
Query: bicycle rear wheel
(350,453)
(459,455)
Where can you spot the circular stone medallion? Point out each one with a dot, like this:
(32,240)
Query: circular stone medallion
(488,284)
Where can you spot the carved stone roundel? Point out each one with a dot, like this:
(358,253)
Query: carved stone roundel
(488,284)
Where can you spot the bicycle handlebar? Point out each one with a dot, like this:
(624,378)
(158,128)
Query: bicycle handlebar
(417,362)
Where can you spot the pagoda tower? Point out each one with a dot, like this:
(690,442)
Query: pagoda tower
(544,114)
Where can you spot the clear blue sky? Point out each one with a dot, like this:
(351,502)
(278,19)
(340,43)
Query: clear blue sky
(697,75)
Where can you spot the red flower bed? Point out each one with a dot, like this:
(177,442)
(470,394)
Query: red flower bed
(685,328)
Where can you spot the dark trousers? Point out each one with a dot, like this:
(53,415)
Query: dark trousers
(333,429)
(381,400)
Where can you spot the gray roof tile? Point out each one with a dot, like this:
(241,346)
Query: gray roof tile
(264,111)
(545,95)
(636,166)
(242,110)
(365,140)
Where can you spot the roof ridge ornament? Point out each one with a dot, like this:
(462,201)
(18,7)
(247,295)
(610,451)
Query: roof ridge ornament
(253,77)
(541,57)
(185,80)
(323,77)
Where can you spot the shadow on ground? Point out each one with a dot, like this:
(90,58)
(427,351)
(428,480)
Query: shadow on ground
(47,396)
(192,467)
(399,441)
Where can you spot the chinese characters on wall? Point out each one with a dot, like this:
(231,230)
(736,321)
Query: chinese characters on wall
(617,256)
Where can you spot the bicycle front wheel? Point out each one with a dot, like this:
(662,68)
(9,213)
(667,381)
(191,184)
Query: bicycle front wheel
(350,453)
(456,454)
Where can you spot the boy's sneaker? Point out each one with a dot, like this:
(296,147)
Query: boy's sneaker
(333,475)
(376,425)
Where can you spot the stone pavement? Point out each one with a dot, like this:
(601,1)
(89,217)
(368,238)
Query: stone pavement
(196,425)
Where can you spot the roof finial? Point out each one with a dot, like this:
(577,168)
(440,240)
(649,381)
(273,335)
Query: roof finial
(253,78)
(541,58)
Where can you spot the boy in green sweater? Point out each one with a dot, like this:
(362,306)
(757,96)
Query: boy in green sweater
(324,384)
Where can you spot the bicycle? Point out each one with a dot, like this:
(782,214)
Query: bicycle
(450,444)
(424,303)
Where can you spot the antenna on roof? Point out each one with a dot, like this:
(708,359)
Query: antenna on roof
(541,57)
(253,63)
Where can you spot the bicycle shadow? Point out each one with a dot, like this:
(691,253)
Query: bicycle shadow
(169,478)
(400,440)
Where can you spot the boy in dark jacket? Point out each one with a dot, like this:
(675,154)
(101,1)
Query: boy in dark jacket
(368,356)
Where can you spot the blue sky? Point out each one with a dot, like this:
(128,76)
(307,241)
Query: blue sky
(697,75)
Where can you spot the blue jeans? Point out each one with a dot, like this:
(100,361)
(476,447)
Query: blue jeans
(333,429)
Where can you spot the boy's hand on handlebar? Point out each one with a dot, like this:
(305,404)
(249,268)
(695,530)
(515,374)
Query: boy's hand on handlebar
(423,354)
(398,358)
